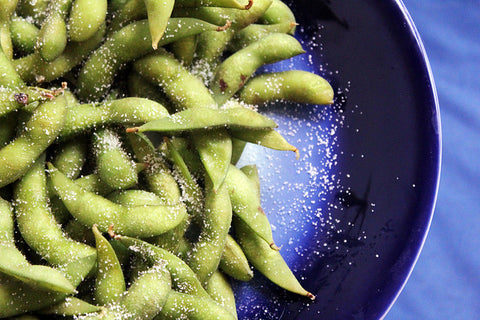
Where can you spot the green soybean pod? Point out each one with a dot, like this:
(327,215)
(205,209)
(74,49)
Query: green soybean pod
(70,307)
(10,78)
(149,293)
(220,289)
(109,280)
(52,38)
(125,111)
(183,278)
(40,131)
(221,16)
(144,298)
(85,18)
(33,68)
(158,13)
(37,224)
(268,138)
(207,118)
(255,32)
(114,166)
(292,86)
(246,205)
(70,157)
(17,298)
(8,8)
(188,92)
(269,262)
(186,306)
(184,89)
(234,263)
(278,12)
(15,264)
(24,35)
(129,43)
(216,220)
(232,73)
(90,209)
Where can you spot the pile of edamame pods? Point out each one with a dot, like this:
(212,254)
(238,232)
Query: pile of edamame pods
(121,124)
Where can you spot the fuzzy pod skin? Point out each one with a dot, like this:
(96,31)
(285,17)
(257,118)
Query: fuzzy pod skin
(10,78)
(233,73)
(125,45)
(33,68)
(183,278)
(234,263)
(246,205)
(109,280)
(114,165)
(267,261)
(182,305)
(41,130)
(216,220)
(90,209)
(85,18)
(220,289)
(126,111)
(293,86)
(16,264)
(24,35)
(206,118)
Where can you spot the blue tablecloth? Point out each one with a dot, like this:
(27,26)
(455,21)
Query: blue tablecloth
(445,283)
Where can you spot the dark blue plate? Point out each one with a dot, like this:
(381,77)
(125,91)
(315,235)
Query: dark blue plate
(352,214)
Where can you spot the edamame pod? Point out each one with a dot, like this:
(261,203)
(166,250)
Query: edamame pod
(129,43)
(15,264)
(267,138)
(70,307)
(37,224)
(127,111)
(220,289)
(90,209)
(255,32)
(216,220)
(85,18)
(109,280)
(13,99)
(158,13)
(184,279)
(188,92)
(234,262)
(293,86)
(246,205)
(24,35)
(114,166)
(206,118)
(10,78)
(52,38)
(182,305)
(40,131)
(269,262)
(278,12)
(232,73)
(8,8)
(33,68)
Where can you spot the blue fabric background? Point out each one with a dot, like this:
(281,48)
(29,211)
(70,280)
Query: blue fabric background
(445,283)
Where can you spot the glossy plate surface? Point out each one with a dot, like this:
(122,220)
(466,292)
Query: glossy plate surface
(352,214)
